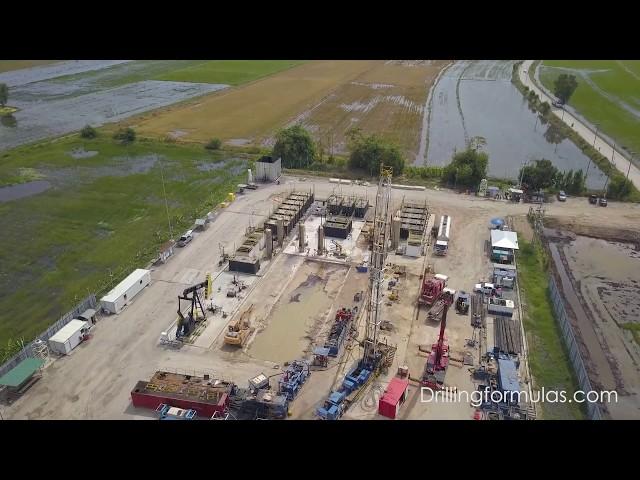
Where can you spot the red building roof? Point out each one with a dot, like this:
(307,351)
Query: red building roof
(394,390)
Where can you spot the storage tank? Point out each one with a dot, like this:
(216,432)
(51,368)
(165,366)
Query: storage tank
(249,176)
(395,230)
(280,231)
(301,238)
(320,240)
(268,243)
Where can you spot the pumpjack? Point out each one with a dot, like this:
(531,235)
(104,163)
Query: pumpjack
(196,312)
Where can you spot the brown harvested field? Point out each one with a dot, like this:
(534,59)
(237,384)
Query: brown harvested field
(388,99)
(253,111)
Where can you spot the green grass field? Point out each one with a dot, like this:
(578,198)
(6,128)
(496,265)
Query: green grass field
(9,65)
(616,84)
(547,356)
(231,72)
(103,213)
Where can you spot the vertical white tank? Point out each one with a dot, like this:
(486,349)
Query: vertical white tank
(268,243)
(249,176)
(395,230)
(301,238)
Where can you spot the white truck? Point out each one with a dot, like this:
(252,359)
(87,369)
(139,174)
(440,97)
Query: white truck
(501,306)
(442,241)
(186,238)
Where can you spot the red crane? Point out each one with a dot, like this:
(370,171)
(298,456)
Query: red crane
(438,361)
(432,287)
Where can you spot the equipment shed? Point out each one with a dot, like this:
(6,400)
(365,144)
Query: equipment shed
(504,240)
(394,396)
(116,299)
(18,377)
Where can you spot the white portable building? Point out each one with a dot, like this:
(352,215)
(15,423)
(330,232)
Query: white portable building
(68,337)
(121,295)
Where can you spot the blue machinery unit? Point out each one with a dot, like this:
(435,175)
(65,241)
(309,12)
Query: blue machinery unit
(333,407)
(293,378)
(167,412)
(339,330)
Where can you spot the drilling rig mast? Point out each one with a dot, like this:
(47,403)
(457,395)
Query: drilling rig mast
(380,240)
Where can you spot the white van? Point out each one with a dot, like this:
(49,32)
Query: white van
(186,238)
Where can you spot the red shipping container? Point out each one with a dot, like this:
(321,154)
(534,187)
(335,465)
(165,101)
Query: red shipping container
(394,396)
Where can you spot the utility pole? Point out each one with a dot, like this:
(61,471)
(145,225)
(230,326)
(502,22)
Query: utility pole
(166,203)
(631,154)
(594,146)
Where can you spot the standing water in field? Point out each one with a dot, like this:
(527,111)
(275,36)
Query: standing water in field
(477,98)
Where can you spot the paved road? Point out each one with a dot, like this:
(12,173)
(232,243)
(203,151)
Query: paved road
(587,132)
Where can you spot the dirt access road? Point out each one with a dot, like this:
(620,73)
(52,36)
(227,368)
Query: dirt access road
(95,381)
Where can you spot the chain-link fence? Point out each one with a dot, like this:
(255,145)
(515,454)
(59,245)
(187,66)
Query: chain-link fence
(593,409)
(87,303)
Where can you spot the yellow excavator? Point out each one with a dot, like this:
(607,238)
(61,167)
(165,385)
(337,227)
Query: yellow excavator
(238,332)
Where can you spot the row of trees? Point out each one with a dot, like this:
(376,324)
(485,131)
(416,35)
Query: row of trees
(542,174)
(296,148)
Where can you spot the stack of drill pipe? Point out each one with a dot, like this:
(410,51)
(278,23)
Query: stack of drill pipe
(507,335)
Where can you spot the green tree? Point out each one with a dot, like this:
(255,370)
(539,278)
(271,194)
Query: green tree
(368,152)
(295,147)
(214,144)
(619,187)
(538,176)
(467,168)
(125,135)
(4,94)
(545,108)
(564,86)
(577,184)
(88,132)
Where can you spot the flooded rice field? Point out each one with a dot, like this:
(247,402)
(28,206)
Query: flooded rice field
(15,192)
(62,111)
(477,98)
(604,280)
(46,72)
(303,305)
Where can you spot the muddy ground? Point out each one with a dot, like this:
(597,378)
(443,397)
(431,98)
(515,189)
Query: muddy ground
(600,279)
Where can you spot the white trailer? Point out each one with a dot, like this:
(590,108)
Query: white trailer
(121,295)
(442,242)
(68,337)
